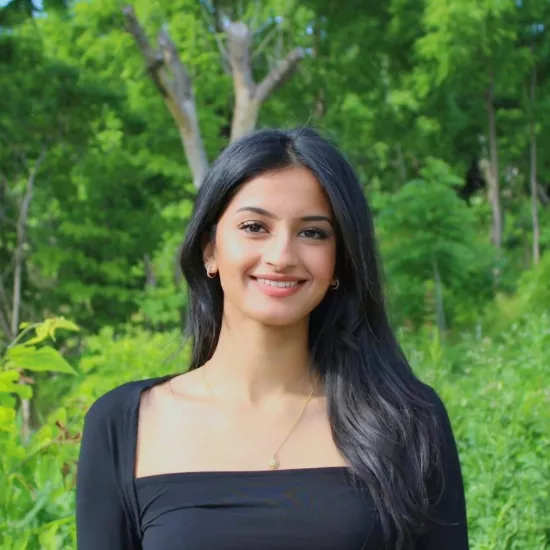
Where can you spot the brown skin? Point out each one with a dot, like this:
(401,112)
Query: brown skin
(258,375)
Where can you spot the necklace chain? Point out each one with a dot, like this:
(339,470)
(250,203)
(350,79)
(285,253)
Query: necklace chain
(274,462)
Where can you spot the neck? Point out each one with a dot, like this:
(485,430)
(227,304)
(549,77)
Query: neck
(254,361)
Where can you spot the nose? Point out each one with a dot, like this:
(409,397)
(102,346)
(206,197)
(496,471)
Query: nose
(280,251)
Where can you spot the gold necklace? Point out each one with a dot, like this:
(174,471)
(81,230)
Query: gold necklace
(274,462)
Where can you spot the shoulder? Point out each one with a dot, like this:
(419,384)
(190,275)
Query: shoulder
(441,428)
(433,401)
(120,402)
(434,420)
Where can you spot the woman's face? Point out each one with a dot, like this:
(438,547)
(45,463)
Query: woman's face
(275,248)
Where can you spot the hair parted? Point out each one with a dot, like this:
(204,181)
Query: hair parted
(382,417)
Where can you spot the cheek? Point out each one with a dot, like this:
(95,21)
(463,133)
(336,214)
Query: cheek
(233,255)
(322,263)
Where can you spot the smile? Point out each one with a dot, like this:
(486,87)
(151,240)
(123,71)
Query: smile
(278,288)
(278,284)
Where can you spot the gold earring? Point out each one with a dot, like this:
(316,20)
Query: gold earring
(335,285)
(209,274)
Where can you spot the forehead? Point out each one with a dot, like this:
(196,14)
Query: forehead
(292,190)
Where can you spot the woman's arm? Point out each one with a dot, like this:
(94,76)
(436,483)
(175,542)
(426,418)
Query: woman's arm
(101,520)
(448,529)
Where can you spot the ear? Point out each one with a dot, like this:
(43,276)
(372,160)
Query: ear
(209,253)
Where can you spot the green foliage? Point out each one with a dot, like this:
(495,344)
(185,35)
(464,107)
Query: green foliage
(500,418)
(429,238)
(93,211)
(401,86)
(35,475)
(532,296)
(534,287)
(497,394)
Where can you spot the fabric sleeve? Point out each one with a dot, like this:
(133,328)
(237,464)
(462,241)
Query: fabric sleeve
(101,518)
(448,528)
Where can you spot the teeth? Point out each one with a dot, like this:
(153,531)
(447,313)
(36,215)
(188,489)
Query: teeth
(280,284)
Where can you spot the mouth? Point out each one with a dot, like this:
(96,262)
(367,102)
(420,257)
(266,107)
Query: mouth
(280,286)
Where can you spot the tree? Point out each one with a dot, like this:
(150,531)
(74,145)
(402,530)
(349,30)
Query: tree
(172,79)
(434,260)
(468,42)
(533,35)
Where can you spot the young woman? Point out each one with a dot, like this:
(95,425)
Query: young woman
(300,425)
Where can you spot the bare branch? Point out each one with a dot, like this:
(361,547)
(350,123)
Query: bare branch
(136,30)
(279,74)
(217,17)
(223,54)
(181,80)
(153,58)
(5,313)
(172,79)
(264,42)
(239,44)
(21,240)
(248,95)
(214,21)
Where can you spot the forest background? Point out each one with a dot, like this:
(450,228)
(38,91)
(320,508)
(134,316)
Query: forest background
(109,117)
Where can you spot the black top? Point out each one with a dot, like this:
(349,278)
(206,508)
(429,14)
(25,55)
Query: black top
(296,509)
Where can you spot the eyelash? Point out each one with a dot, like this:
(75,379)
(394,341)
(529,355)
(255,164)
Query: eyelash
(321,233)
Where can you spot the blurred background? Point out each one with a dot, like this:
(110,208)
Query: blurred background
(109,117)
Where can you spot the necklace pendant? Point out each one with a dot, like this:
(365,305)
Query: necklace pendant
(273,463)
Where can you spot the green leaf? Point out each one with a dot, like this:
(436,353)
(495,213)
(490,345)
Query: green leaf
(9,383)
(48,328)
(43,359)
(7,419)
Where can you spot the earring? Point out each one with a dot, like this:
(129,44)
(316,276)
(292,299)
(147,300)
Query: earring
(209,274)
(335,285)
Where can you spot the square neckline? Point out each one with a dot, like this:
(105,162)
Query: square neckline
(189,474)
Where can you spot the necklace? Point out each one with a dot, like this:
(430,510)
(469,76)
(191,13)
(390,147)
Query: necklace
(274,462)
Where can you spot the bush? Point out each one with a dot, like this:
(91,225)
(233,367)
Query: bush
(36,472)
(38,476)
(498,397)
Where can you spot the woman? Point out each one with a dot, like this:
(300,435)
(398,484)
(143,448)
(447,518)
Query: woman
(300,424)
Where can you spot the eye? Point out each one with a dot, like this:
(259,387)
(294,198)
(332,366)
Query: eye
(314,233)
(252,227)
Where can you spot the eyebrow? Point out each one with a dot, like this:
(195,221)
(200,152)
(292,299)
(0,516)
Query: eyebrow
(263,212)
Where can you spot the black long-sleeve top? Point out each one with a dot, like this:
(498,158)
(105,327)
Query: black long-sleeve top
(296,509)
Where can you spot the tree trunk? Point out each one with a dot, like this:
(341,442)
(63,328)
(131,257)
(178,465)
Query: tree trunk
(493,180)
(249,96)
(533,170)
(172,80)
(19,257)
(19,254)
(5,314)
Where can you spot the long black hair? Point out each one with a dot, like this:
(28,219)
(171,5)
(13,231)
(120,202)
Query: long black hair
(380,415)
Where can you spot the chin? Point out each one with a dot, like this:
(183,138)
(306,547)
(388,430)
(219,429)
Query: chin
(277,318)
